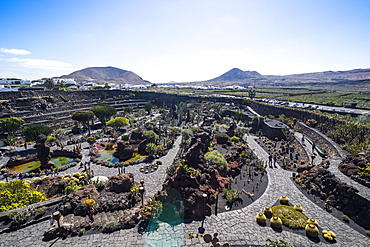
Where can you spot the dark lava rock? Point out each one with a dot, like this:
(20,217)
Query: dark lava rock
(120,183)
(51,186)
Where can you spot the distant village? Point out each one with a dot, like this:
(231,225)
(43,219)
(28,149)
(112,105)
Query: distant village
(14,84)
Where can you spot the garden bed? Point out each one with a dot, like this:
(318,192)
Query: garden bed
(333,211)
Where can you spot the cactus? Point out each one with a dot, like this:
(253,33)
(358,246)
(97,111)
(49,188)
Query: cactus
(284,200)
(298,208)
(312,230)
(267,211)
(330,236)
(276,222)
(261,218)
(312,221)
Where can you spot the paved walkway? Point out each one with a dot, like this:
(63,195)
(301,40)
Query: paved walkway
(333,168)
(240,228)
(236,227)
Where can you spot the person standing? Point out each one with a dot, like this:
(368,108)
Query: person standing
(313,147)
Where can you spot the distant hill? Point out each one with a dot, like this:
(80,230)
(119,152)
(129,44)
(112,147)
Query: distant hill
(338,79)
(107,75)
(236,74)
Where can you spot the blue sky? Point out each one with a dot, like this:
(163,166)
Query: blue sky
(173,40)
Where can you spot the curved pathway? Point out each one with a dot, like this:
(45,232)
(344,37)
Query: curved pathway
(333,168)
(236,227)
(240,228)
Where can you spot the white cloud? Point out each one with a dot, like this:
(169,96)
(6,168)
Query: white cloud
(41,63)
(15,51)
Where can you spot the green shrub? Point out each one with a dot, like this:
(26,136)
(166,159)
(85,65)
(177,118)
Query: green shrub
(345,218)
(109,146)
(311,122)
(151,148)
(19,217)
(125,137)
(230,194)
(111,227)
(217,158)
(367,232)
(235,139)
(278,243)
(16,194)
(91,140)
(290,217)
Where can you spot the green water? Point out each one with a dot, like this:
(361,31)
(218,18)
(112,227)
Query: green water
(107,155)
(29,166)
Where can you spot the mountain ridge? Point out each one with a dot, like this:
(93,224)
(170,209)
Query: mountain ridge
(238,77)
(106,75)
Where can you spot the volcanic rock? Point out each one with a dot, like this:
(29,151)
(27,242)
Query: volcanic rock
(120,183)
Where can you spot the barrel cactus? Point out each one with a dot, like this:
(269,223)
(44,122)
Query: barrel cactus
(330,236)
(312,221)
(312,230)
(267,211)
(261,218)
(298,208)
(284,200)
(276,222)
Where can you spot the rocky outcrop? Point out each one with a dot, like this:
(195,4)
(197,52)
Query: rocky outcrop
(123,152)
(43,153)
(51,186)
(120,183)
(320,182)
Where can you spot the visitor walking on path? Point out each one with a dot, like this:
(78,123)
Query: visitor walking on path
(313,147)
(303,139)
(270,160)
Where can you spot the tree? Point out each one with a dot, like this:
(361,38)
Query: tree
(118,122)
(182,109)
(252,93)
(103,112)
(61,84)
(31,132)
(186,134)
(151,149)
(127,110)
(11,124)
(83,117)
(148,107)
(49,84)
(150,135)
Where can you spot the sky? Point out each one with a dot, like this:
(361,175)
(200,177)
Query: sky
(182,40)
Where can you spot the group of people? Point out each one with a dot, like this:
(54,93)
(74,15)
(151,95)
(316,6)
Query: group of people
(53,172)
(272,158)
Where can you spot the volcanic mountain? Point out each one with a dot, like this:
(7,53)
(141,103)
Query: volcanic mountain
(358,78)
(107,75)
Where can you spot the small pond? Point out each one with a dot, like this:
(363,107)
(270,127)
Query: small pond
(29,166)
(107,155)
